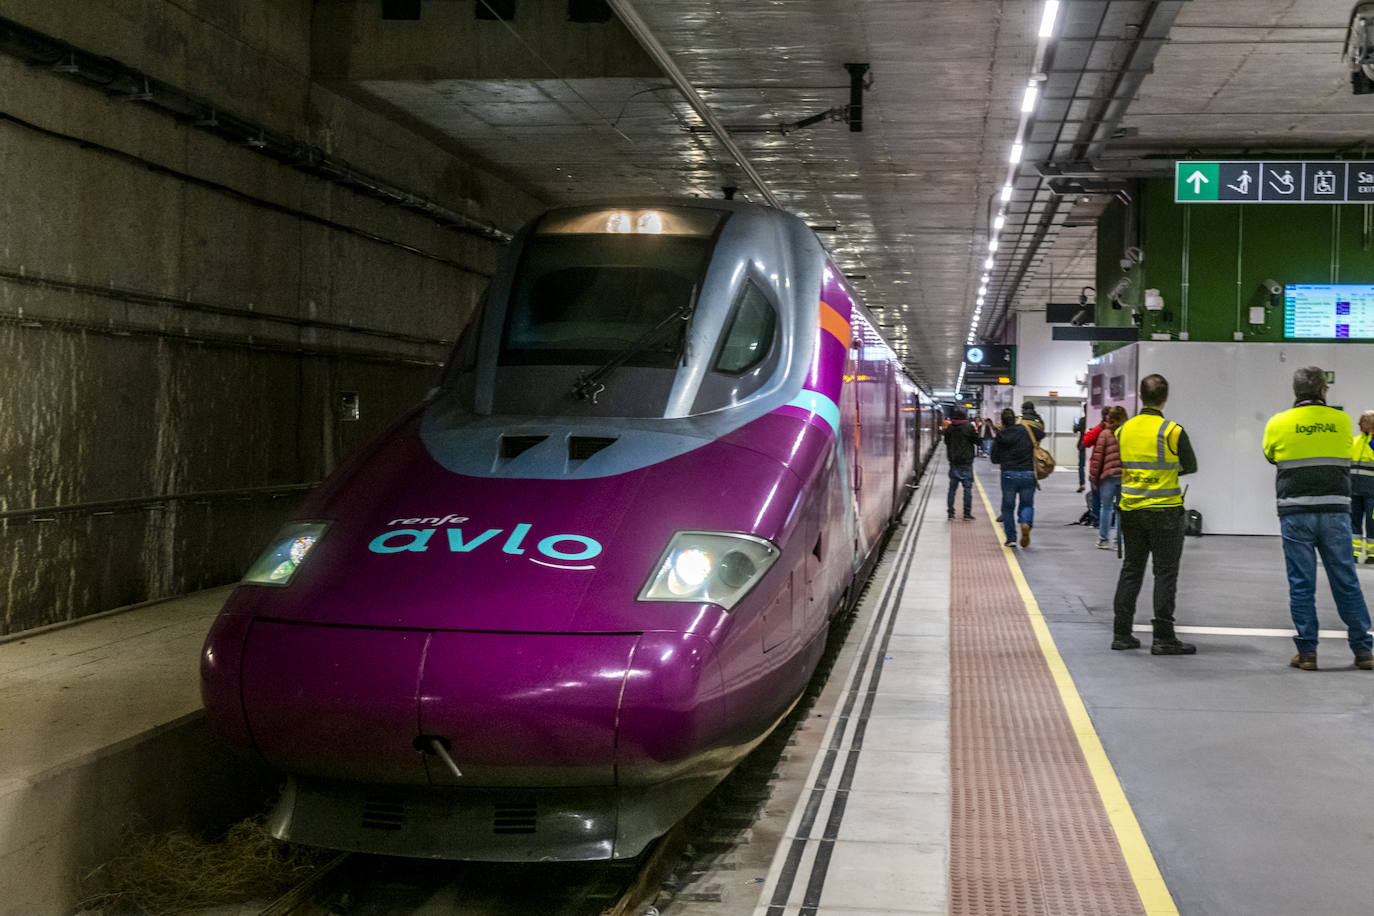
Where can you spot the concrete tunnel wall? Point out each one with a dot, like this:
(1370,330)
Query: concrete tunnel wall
(142,265)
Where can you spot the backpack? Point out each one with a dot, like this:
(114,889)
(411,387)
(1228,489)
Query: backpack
(1044,461)
(1192,523)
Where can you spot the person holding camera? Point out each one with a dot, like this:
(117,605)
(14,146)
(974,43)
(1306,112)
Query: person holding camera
(1014,450)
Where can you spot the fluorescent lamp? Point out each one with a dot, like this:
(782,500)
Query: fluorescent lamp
(1028,100)
(999,222)
(1006,193)
(1047,19)
(980,300)
(1015,153)
(988,263)
(992,244)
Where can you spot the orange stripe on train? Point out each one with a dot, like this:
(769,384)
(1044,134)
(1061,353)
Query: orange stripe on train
(832,321)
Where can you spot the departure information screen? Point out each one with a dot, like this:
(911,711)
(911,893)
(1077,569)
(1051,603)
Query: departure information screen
(1328,311)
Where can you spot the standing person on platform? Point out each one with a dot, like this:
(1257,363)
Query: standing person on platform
(1080,426)
(1154,452)
(1362,490)
(1310,446)
(961,445)
(1014,450)
(1105,474)
(1032,420)
(988,432)
(1090,442)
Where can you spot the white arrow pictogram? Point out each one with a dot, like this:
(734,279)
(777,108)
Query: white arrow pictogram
(1197,180)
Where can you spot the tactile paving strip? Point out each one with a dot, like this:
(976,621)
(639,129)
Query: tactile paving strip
(1029,831)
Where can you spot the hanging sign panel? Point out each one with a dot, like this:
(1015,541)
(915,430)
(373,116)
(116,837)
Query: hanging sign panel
(1274,182)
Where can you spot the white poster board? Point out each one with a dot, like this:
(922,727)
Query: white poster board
(1222,394)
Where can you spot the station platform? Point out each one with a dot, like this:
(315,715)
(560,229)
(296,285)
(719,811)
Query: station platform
(977,749)
(101,732)
(995,756)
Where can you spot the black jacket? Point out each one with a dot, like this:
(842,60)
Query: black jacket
(961,441)
(1014,448)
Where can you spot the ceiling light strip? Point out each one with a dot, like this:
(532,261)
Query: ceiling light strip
(1048,18)
(640,30)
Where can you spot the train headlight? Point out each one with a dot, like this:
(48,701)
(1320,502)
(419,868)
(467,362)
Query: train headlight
(708,566)
(285,554)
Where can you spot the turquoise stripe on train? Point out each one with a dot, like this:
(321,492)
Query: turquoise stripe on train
(817,403)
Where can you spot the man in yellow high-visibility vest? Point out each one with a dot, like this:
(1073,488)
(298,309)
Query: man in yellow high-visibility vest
(1362,490)
(1310,445)
(1154,452)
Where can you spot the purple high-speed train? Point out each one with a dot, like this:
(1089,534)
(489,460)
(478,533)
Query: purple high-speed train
(547,612)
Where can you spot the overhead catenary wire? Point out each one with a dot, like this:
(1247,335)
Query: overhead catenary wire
(645,36)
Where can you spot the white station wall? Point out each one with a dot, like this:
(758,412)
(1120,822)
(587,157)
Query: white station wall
(1223,393)
(1045,365)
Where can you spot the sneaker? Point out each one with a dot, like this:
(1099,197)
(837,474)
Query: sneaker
(968,516)
(1103,545)
(1307,661)
(1125,642)
(1172,647)
(1080,489)
(1365,661)
(1025,535)
(1009,544)
(951,513)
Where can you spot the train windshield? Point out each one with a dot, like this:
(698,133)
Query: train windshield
(586,297)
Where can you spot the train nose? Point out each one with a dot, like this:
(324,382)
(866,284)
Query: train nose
(368,705)
(509,709)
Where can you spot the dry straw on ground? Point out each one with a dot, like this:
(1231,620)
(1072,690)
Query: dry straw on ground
(171,874)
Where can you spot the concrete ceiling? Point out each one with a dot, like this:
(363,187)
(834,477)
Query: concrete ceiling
(905,205)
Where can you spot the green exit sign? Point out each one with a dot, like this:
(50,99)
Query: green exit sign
(1195,181)
(1250,181)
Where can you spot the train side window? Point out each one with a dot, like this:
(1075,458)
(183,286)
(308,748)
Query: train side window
(750,335)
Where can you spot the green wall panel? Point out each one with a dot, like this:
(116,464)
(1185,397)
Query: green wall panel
(1210,261)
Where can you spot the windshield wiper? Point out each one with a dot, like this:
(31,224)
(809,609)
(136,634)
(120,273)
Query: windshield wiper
(588,386)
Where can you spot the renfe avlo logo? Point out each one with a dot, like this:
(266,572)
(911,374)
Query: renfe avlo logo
(418,540)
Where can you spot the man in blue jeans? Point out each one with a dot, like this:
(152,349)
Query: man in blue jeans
(1310,446)
(961,445)
(1014,450)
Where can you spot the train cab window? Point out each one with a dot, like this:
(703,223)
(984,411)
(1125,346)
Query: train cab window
(748,353)
(584,299)
(750,334)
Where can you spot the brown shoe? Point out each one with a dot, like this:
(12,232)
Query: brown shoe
(1307,661)
(1364,662)
(1025,535)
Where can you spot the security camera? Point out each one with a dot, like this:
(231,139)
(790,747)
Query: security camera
(1133,256)
(1118,291)
(1080,318)
(1273,287)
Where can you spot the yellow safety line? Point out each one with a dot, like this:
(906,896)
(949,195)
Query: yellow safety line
(1149,883)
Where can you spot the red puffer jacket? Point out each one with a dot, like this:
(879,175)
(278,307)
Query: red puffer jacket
(1106,460)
